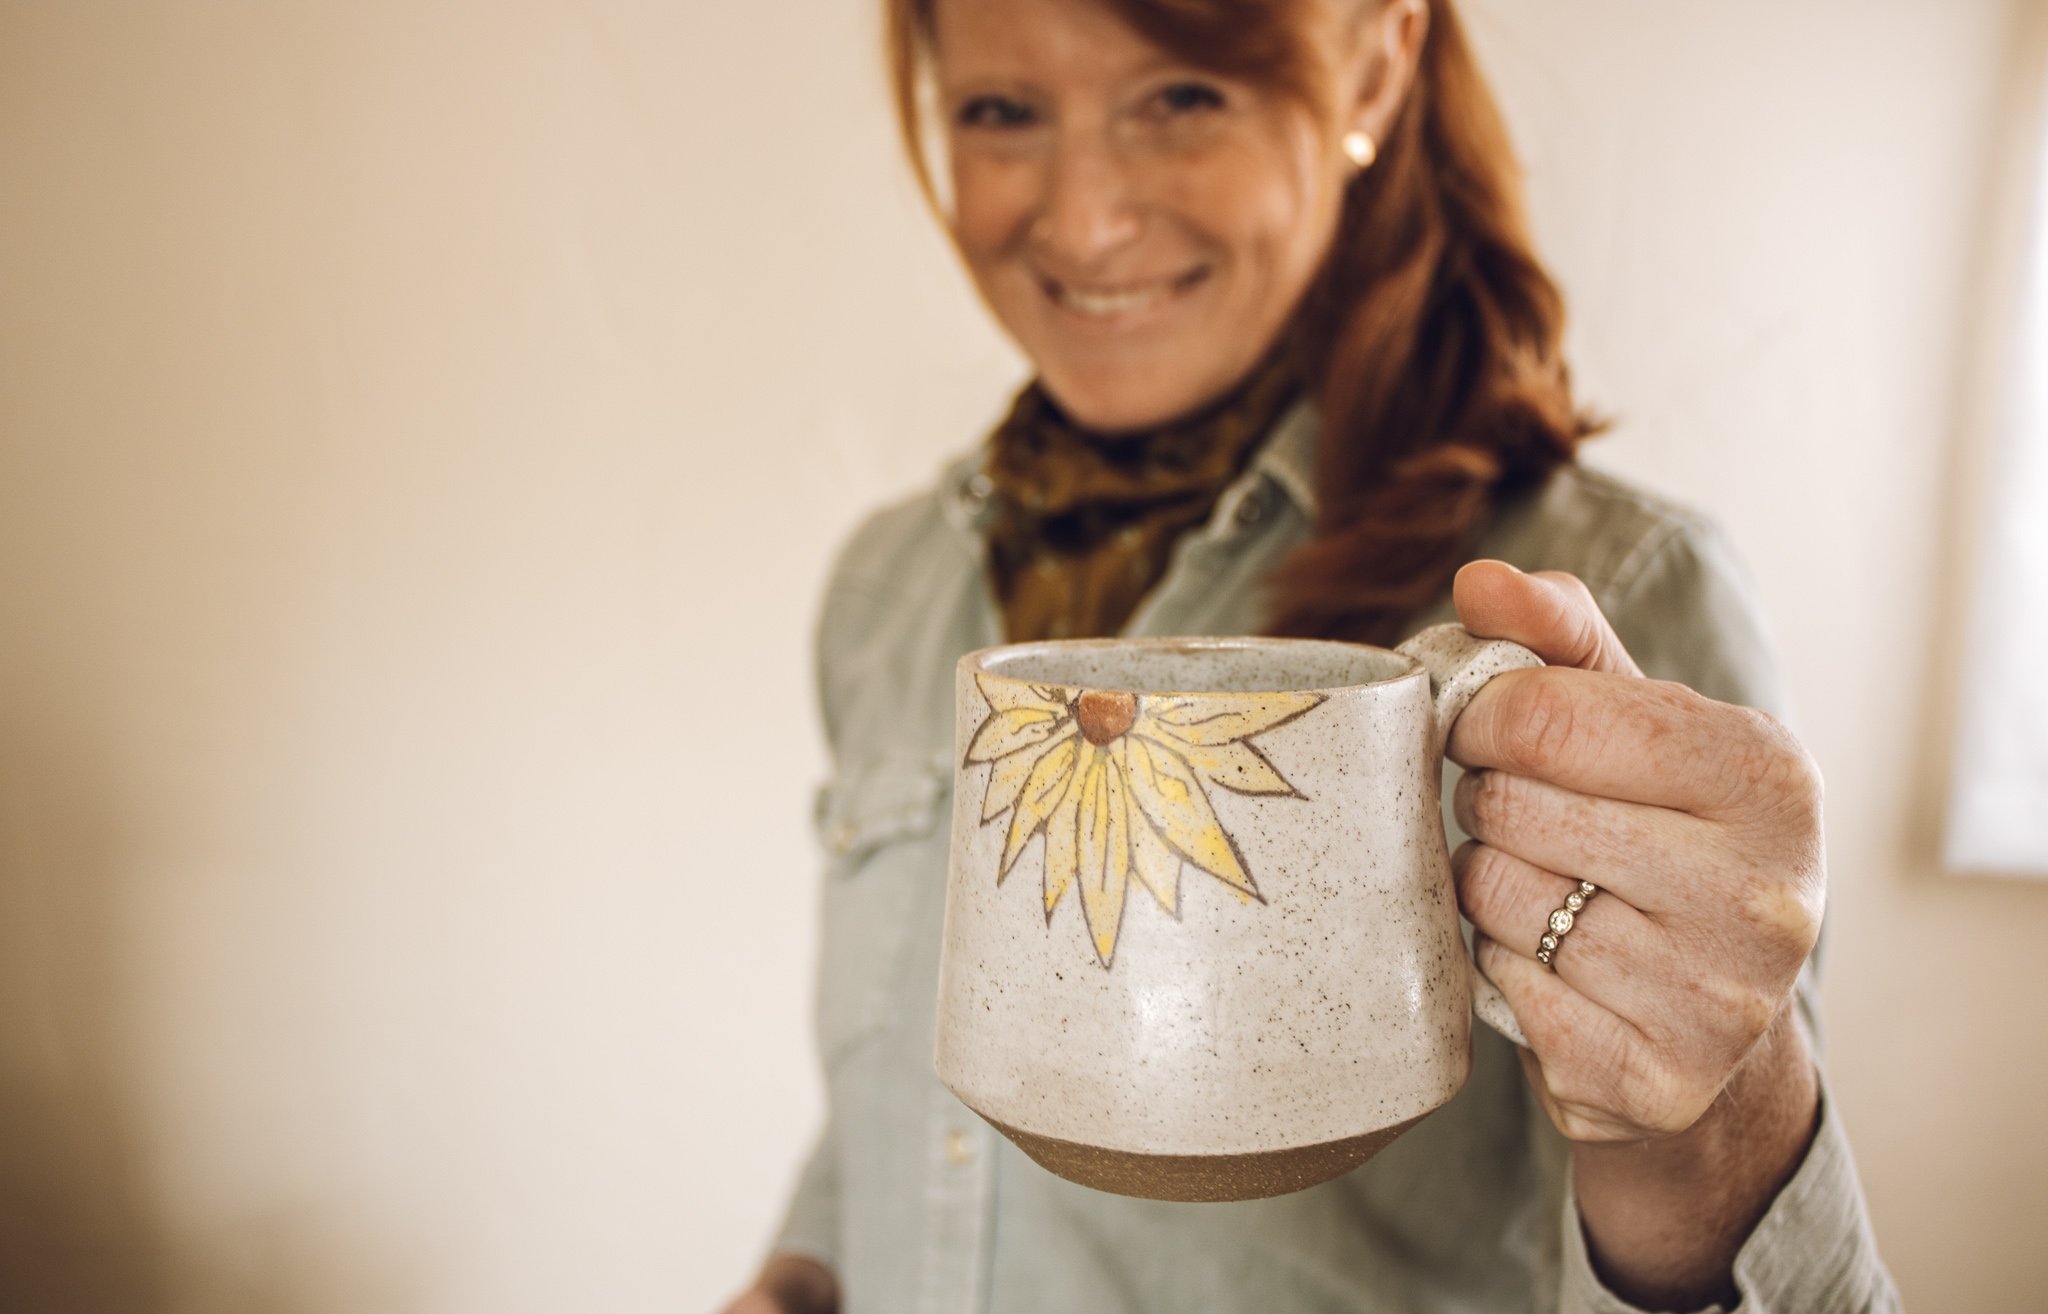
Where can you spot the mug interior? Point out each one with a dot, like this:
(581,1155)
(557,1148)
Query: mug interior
(1197,665)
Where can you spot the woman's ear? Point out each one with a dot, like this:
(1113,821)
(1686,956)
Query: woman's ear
(1386,51)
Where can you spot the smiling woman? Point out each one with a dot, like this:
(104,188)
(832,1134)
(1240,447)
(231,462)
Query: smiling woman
(1142,227)
(1153,198)
(1296,365)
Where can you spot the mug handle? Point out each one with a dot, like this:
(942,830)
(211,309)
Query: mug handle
(1459,665)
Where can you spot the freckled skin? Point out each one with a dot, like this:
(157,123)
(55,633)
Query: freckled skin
(1665,1045)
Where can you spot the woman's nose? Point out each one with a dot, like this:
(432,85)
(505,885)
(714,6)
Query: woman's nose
(1089,210)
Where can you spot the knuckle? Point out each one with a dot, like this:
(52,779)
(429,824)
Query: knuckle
(1785,916)
(1795,770)
(1490,880)
(1773,770)
(1582,611)
(1480,871)
(1538,722)
(1735,1009)
(1499,802)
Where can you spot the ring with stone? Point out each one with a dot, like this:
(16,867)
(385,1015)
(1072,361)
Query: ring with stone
(1561,923)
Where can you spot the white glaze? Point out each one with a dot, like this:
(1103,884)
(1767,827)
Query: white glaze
(1338,1006)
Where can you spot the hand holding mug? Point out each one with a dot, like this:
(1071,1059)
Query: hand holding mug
(1698,821)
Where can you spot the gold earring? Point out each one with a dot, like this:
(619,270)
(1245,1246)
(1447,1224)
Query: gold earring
(1360,148)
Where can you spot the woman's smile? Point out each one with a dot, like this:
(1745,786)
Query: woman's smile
(1121,307)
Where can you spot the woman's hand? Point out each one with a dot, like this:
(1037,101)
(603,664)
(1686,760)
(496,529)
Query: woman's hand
(1664,1037)
(789,1284)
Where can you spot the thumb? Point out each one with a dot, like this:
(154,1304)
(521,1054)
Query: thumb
(1551,613)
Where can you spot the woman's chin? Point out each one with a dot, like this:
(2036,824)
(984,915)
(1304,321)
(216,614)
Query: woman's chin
(1113,406)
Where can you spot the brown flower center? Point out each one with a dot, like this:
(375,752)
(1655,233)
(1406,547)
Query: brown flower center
(1104,714)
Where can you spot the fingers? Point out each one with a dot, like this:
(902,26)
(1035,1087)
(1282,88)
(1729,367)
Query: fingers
(797,1284)
(1509,901)
(1652,857)
(1643,741)
(1549,612)
(1581,1054)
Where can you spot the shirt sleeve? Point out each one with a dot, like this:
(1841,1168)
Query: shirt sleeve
(1686,611)
(1812,1253)
(810,1225)
(810,1221)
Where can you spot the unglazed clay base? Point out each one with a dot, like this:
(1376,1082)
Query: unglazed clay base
(1202,1178)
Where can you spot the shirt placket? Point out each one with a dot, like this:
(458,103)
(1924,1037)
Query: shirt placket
(957,1186)
(959,1192)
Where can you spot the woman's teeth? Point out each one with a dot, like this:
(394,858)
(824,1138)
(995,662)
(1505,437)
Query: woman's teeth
(1103,304)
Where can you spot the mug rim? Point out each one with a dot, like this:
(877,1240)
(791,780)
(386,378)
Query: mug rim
(977,661)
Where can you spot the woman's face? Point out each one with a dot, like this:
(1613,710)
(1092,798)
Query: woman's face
(1142,228)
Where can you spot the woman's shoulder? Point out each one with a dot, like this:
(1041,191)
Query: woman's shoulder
(903,598)
(1664,573)
(1601,527)
(900,530)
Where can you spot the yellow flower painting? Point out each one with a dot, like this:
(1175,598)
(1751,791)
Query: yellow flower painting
(1118,785)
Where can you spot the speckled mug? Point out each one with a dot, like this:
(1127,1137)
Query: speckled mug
(1201,941)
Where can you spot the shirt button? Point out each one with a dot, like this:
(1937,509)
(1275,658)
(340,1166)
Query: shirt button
(1251,509)
(844,836)
(980,487)
(959,1149)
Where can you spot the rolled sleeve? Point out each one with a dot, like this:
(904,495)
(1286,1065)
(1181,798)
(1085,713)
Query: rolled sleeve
(1811,1253)
(810,1225)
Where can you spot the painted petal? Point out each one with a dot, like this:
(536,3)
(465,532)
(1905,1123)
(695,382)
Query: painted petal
(1105,853)
(1235,765)
(1062,842)
(1012,695)
(1006,781)
(1156,866)
(1043,789)
(1171,798)
(1004,733)
(1217,719)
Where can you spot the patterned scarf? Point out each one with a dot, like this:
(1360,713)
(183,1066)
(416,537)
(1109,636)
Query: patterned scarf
(1085,524)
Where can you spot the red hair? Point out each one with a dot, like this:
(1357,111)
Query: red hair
(1432,337)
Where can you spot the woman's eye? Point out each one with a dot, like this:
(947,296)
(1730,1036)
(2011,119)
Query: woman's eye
(994,112)
(1190,98)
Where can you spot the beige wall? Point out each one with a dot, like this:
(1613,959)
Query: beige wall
(423,427)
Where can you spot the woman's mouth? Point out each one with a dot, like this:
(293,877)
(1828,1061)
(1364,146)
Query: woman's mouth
(1104,302)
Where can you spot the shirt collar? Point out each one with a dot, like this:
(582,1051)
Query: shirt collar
(1289,456)
(1288,459)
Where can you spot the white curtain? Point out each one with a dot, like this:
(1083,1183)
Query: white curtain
(1998,807)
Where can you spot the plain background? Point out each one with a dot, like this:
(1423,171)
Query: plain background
(424,428)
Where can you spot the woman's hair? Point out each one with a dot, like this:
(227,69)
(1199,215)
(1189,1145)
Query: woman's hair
(1431,334)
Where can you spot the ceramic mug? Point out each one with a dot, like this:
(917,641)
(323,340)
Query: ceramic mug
(1201,941)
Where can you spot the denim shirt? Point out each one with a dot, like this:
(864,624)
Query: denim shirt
(923,1209)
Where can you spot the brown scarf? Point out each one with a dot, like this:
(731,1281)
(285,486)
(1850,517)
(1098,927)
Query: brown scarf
(1085,524)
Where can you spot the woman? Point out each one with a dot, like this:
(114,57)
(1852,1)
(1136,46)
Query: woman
(1295,364)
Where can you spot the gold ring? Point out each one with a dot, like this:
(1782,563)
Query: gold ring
(1561,922)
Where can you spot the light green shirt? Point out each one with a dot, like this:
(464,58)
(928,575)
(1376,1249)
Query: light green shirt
(923,1209)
